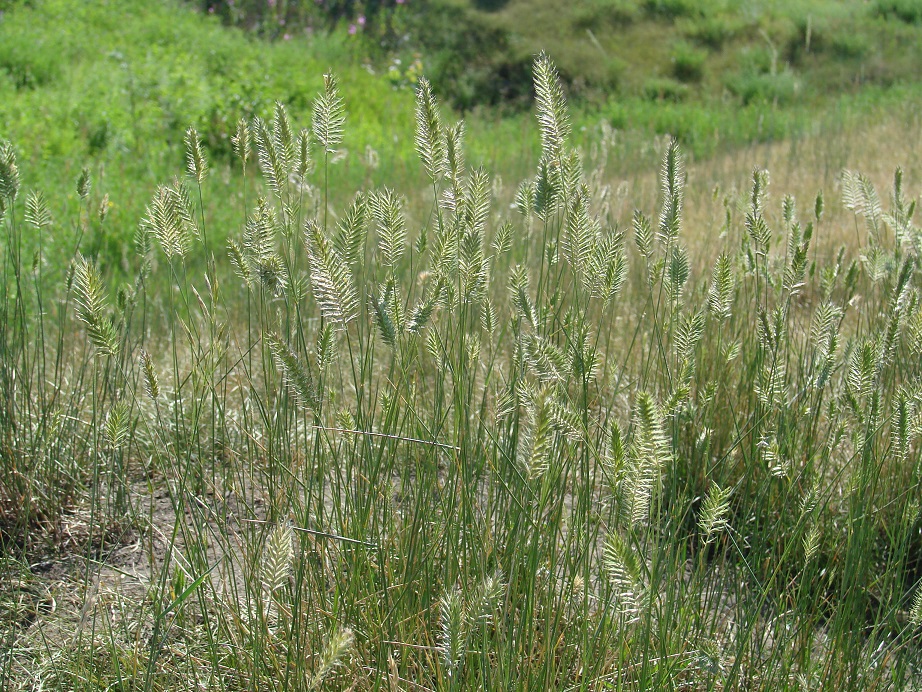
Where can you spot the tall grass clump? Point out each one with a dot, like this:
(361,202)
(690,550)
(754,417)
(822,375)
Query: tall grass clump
(463,444)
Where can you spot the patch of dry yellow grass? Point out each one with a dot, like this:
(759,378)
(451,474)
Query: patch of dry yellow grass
(803,167)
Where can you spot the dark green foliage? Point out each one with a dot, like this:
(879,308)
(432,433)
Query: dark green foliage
(753,87)
(31,61)
(665,89)
(274,19)
(672,9)
(688,63)
(598,15)
(476,52)
(909,11)
(714,31)
(471,60)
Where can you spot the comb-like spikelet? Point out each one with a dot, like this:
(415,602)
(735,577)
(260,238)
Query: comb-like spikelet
(151,383)
(454,153)
(196,163)
(84,184)
(240,142)
(270,159)
(553,119)
(282,136)
(915,614)
(166,221)
(9,172)
(720,294)
(329,116)
(624,571)
(297,375)
(91,307)
(392,229)
(330,279)
(677,271)
(582,232)
(452,630)
(278,556)
(352,231)
(650,452)
(672,182)
(304,161)
(117,424)
(430,144)
(714,511)
(337,647)
(37,212)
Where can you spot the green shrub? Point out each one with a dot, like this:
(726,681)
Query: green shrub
(672,9)
(30,61)
(763,87)
(596,14)
(471,60)
(845,45)
(665,89)
(9,5)
(909,11)
(274,19)
(836,40)
(688,63)
(713,31)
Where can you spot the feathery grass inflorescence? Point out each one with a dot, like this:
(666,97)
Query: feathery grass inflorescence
(37,212)
(240,142)
(553,118)
(92,308)
(270,158)
(452,626)
(430,142)
(297,374)
(9,173)
(151,381)
(649,452)
(714,511)
(196,163)
(169,218)
(391,227)
(278,555)
(336,649)
(330,278)
(329,116)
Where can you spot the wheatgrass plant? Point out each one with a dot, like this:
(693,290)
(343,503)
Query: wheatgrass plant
(471,447)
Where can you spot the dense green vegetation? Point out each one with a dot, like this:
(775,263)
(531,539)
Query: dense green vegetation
(113,86)
(480,51)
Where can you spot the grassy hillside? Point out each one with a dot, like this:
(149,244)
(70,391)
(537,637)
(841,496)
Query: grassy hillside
(113,86)
(478,52)
(709,43)
(771,50)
